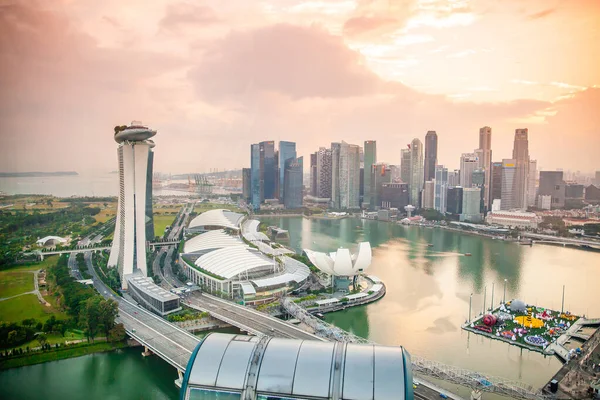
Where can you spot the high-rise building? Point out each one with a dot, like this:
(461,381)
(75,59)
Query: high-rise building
(531,183)
(349,176)
(292,183)
(552,184)
(394,195)
(370,158)
(454,200)
(485,147)
(134,209)
(431,147)
(469,162)
(416,171)
(496,183)
(268,171)
(441,187)
(396,175)
(454,178)
(255,176)
(324,173)
(314,176)
(380,174)
(287,151)
(471,205)
(597,179)
(405,163)
(508,196)
(521,157)
(246,178)
(335,175)
(479,182)
(428,199)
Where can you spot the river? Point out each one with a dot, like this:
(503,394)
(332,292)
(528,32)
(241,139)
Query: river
(427,300)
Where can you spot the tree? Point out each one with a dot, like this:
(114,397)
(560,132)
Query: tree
(108,310)
(12,337)
(42,339)
(117,333)
(90,317)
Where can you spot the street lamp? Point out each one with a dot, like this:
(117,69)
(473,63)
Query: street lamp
(504,296)
(470,300)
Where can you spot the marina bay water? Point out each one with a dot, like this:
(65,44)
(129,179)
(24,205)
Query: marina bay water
(428,289)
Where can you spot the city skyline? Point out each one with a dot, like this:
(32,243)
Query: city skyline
(386,71)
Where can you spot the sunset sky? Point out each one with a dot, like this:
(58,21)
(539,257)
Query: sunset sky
(215,76)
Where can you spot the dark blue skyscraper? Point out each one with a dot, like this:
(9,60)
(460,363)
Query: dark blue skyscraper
(287,151)
(255,176)
(293,173)
(268,170)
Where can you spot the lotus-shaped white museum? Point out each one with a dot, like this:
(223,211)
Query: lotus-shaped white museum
(341,262)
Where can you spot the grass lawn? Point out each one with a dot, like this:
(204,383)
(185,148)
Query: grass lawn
(105,214)
(24,307)
(18,279)
(161,222)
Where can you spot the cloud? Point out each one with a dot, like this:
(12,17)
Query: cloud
(294,61)
(187,14)
(541,14)
(357,27)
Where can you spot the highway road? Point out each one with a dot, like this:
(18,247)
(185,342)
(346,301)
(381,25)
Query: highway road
(73,267)
(244,317)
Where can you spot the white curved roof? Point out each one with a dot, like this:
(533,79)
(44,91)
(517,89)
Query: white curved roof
(342,263)
(231,261)
(250,231)
(43,240)
(219,217)
(216,239)
(294,271)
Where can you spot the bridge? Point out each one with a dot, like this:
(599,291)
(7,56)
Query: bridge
(539,238)
(165,243)
(78,250)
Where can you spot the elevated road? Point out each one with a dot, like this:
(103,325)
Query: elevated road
(562,240)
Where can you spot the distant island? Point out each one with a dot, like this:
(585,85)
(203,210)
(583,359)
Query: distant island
(36,174)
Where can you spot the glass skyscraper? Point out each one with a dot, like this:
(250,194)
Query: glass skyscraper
(268,171)
(293,174)
(441,187)
(255,180)
(287,151)
(370,157)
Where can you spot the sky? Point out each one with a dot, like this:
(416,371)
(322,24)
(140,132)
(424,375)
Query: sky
(215,76)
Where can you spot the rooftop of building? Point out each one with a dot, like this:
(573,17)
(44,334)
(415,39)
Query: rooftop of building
(229,262)
(220,218)
(216,239)
(341,262)
(147,285)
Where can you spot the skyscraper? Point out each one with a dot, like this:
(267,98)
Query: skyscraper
(268,170)
(431,145)
(479,182)
(324,173)
(370,157)
(314,177)
(485,146)
(380,174)
(508,196)
(552,184)
(416,171)
(496,183)
(454,178)
(287,151)
(471,205)
(394,195)
(531,182)
(441,188)
(521,157)
(405,163)
(246,179)
(454,200)
(428,200)
(255,176)
(134,210)
(292,182)
(335,175)
(469,162)
(349,176)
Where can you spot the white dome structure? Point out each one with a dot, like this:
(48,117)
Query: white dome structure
(342,263)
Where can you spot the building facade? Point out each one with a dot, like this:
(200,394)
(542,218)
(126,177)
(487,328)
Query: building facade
(485,148)
(287,151)
(513,219)
(479,182)
(496,182)
(508,196)
(134,210)
(268,171)
(292,183)
(405,164)
(532,183)
(553,185)
(246,180)
(380,174)
(428,197)
(521,157)
(394,195)
(431,147)
(255,181)
(416,171)
(349,176)
(441,187)
(455,200)
(471,205)
(469,162)
(324,171)
(313,174)
(335,175)
(370,158)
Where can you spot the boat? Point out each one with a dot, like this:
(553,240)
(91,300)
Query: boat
(468,254)
(430,245)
